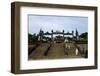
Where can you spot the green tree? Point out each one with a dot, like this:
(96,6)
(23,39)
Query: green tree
(32,38)
(84,36)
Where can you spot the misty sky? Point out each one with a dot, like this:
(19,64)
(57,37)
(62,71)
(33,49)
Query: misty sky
(57,23)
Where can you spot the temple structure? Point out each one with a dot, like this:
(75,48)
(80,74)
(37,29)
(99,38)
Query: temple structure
(58,33)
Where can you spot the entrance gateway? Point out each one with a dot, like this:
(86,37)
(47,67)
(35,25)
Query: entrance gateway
(58,38)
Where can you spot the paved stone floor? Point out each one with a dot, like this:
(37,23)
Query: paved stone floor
(56,51)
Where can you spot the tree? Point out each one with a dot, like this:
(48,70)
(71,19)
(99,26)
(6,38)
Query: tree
(32,38)
(84,36)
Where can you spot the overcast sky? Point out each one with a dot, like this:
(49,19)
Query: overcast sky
(57,23)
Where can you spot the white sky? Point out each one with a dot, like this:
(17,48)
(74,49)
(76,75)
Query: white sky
(47,23)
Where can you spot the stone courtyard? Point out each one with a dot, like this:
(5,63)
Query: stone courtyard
(58,47)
